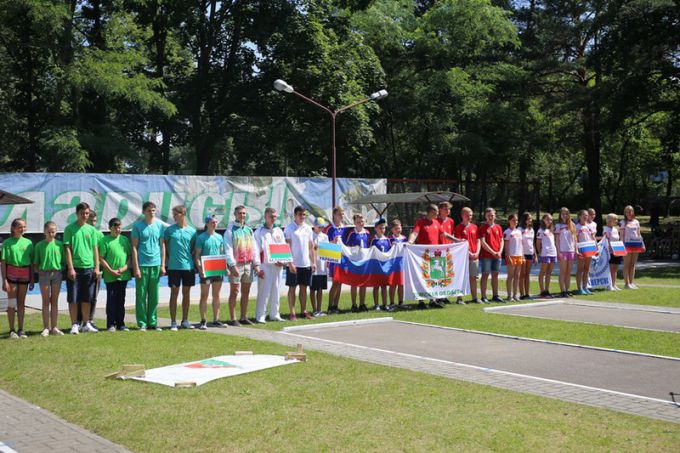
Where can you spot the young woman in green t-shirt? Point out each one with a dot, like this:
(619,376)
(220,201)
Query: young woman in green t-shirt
(49,257)
(17,274)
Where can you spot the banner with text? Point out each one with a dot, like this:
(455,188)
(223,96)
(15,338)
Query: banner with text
(436,271)
(55,196)
(599,274)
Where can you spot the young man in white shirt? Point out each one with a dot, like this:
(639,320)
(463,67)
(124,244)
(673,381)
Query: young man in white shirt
(301,239)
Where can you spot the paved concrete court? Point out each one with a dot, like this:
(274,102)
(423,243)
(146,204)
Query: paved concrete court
(634,374)
(622,315)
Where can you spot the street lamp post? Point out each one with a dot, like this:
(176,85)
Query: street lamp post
(280,85)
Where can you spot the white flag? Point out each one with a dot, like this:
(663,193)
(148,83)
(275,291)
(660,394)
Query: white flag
(599,267)
(436,271)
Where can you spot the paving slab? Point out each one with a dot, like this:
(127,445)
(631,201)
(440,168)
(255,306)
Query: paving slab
(632,316)
(640,375)
(25,427)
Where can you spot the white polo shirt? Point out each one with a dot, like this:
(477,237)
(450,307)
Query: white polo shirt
(299,236)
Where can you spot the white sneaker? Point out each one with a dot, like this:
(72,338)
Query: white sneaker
(13,335)
(611,288)
(112,329)
(627,286)
(90,328)
(45,333)
(74,329)
(173,327)
(260,320)
(142,329)
(633,286)
(186,325)
(276,318)
(616,288)
(158,329)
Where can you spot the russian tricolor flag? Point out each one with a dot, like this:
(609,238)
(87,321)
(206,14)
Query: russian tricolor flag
(634,246)
(587,248)
(618,249)
(370,267)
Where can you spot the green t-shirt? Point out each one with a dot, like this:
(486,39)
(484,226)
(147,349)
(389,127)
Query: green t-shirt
(49,255)
(210,244)
(149,242)
(17,252)
(99,235)
(82,240)
(115,251)
(180,243)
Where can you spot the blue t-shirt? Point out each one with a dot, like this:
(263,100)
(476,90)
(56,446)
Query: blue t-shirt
(210,244)
(358,239)
(397,239)
(149,242)
(180,244)
(334,232)
(383,244)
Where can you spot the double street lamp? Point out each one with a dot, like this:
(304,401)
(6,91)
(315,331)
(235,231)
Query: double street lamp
(280,85)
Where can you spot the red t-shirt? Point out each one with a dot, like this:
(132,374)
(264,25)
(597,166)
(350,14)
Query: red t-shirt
(468,232)
(429,231)
(447,227)
(493,235)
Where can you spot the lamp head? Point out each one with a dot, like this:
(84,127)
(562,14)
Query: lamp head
(378,95)
(281,85)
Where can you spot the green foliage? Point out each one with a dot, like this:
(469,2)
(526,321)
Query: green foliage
(581,96)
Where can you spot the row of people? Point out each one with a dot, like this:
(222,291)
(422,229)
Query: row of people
(177,250)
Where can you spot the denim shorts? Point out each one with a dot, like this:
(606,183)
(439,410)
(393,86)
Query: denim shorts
(547,259)
(49,278)
(82,288)
(487,265)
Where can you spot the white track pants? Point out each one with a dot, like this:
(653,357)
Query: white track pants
(268,291)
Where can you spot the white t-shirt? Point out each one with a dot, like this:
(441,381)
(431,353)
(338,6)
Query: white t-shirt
(264,236)
(514,238)
(528,240)
(593,227)
(631,231)
(566,238)
(584,233)
(612,233)
(320,264)
(299,236)
(547,239)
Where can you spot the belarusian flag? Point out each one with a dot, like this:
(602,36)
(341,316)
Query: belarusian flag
(214,266)
(280,253)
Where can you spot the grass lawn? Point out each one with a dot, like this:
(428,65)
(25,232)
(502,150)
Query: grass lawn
(326,404)
(472,317)
(669,275)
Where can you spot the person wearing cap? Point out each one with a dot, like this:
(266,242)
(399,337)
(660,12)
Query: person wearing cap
(319,277)
(301,239)
(148,257)
(268,284)
(382,243)
(428,231)
(243,256)
(209,243)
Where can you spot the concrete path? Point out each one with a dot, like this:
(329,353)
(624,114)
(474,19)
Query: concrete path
(631,383)
(621,315)
(28,428)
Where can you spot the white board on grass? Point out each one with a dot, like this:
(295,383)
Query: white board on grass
(207,370)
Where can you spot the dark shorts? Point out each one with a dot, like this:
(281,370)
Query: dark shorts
(319,282)
(209,280)
(615,259)
(177,278)
(529,258)
(302,277)
(82,288)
